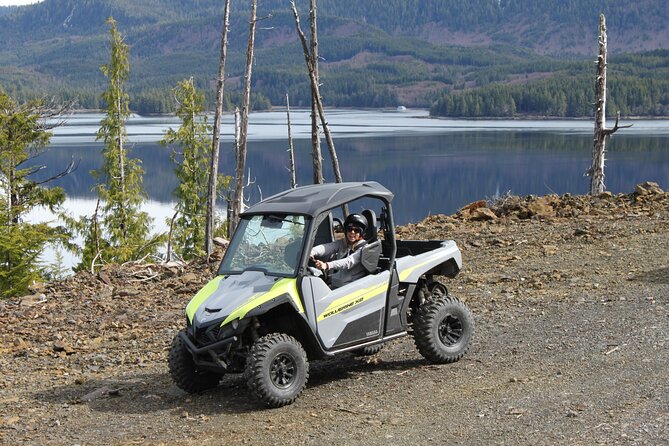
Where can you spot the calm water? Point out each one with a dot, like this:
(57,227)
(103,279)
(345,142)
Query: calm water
(432,166)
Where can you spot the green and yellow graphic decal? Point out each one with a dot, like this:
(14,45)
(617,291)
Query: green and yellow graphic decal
(201,296)
(351,300)
(283,286)
(404,274)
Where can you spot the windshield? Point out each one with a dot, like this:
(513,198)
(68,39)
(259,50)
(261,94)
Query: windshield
(269,243)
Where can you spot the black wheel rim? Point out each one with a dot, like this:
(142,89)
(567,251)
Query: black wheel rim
(283,370)
(450,330)
(438,290)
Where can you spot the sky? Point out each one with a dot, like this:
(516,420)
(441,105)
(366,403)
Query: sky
(17,2)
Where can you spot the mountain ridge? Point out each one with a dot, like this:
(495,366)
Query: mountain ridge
(375,52)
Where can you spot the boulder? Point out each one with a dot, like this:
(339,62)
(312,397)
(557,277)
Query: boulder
(475,205)
(541,209)
(32,299)
(482,214)
(648,188)
(220,241)
(189,278)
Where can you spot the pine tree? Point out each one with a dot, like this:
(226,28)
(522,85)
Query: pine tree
(120,231)
(192,165)
(24,134)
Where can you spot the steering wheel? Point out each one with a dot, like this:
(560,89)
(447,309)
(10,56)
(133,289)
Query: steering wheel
(311,267)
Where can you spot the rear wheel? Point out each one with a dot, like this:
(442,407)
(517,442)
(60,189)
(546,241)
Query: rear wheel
(185,373)
(368,351)
(443,329)
(277,369)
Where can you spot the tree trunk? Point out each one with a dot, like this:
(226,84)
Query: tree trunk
(96,235)
(121,168)
(316,154)
(168,255)
(244,127)
(596,171)
(10,181)
(210,220)
(230,212)
(316,94)
(291,150)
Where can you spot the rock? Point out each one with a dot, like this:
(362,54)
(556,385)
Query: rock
(128,292)
(541,209)
(578,232)
(189,278)
(648,188)
(518,412)
(472,206)
(550,250)
(104,277)
(37,287)
(33,299)
(220,241)
(61,347)
(9,420)
(483,214)
(102,392)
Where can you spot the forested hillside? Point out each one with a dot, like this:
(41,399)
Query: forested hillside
(638,86)
(462,57)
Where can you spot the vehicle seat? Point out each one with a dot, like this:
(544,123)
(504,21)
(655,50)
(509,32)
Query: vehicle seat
(291,253)
(371,232)
(371,252)
(324,232)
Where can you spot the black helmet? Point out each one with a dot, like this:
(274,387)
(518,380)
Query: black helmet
(356,220)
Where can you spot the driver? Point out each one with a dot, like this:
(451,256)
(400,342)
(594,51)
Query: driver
(347,266)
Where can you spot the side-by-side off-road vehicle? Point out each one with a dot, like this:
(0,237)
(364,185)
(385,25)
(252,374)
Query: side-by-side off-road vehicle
(268,311)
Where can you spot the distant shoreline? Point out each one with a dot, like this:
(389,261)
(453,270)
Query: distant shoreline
(408,109)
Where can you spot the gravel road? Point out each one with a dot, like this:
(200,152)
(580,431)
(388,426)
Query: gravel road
(571,301)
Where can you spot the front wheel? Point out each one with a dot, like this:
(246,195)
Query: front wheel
(277,369)
(184,371)
(443,329)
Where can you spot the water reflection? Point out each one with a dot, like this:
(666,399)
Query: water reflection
(432,166)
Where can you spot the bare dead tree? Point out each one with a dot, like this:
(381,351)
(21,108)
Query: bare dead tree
(244,127)
(596,171)
(230,193)
(316,156)
(96,235)
(216,139)
(316,94)
(291,150)
(168,255)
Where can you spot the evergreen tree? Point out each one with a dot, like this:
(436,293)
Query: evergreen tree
(120,231)
(192,165)
(23,135)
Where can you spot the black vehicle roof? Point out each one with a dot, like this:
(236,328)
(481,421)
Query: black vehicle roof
(317,198)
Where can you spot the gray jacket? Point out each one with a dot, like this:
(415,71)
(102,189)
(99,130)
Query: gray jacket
(347,266)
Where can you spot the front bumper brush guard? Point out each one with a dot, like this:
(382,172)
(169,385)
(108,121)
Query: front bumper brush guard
(200,350)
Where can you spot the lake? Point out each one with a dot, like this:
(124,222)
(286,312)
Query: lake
(432,165)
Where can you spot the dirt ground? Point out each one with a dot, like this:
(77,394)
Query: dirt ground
(571,301)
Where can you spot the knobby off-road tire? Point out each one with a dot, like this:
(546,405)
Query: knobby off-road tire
(368,351)
(184,372)
(277,369)
(437,290)
(443,330)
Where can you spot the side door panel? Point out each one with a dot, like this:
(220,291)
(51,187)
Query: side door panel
(352,313)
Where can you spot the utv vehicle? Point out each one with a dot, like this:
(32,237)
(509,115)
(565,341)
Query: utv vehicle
(268,312)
